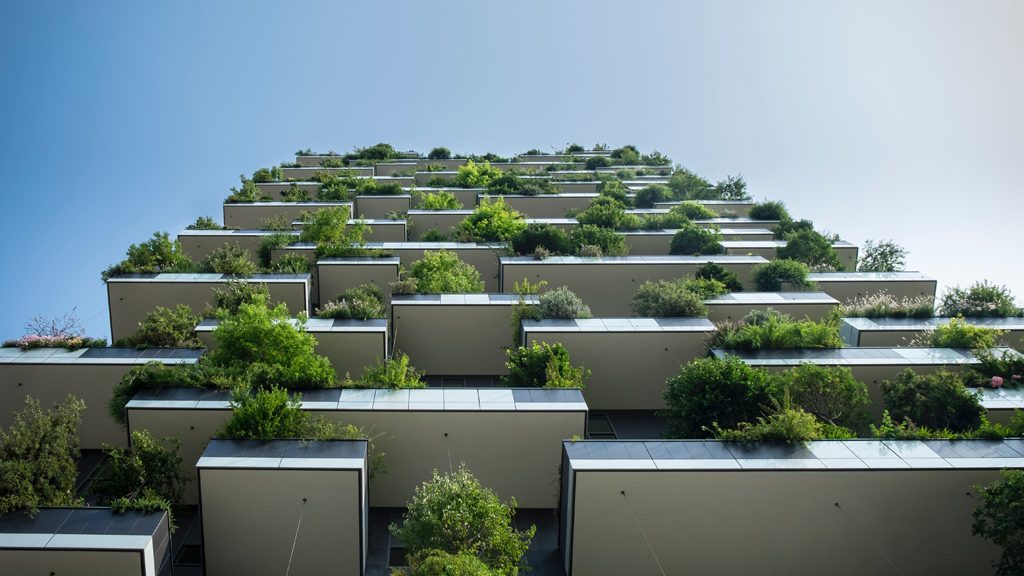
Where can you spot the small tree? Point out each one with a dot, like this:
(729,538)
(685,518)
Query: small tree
(395,373)
(811,248)
(441,563)
(146,476)
(474,175)
(693,240)
(669,299)
(552,239)
(166,328)
(1000,518)
(440,153)
(882,256)
(491,222)
(687,185)
(979,299)
(769,211)
(607,241)
(442,200)
(937,401)
(649,196)
(453,513)
(158,254)
(769,277)
(831,394)
(229,259)
(542,365)
(710,391)
(443,272)
(712,271)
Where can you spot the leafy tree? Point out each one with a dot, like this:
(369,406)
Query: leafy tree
(38,455)
(712,271)
(553,239)
(669,299)
(273,414)
(166,328)
(291,263)
(938,400)
(248,193)
(394,372)
(442,272)
(959,334)
(542,365)
(145,476)
(336,186)
(731,188)
(379,151)
(693,240)
(999,517)
(882,256)
(787,425)
(811,248)
(769,211)
(979,299)
(474,175)
(687,185)
(441,563)
(158,254)
(605,212)
(831,394)
(610,243)
(710,391)
(595,162)
(491,222)
(228,300)
(229,259)
(442,200)
(562,303)
(615,190)
(453,513)
(627,155)
(573,149)
(769,277)
(265,175)
(327,225)
(204,223)
(649,196)
(440,153)
(693,211)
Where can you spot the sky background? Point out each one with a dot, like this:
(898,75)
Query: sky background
(875,119)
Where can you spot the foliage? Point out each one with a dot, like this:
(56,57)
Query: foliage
(680,298)
(145,477)
(553,239)
(379,151)
(442,200)
(885,305)
(693,240)
(649,196)
(542,365)
(687,185)
(371,187)
(713,391)
(290,263)
(562,303)
(693,211)
(441,563)
(610,243)
(274,414)
(31,342)
(938,400)
(327,225)
(440,153)
(786,425)
(442,272)
(474,175)
(249,192)
(811,248)
(37,456)
(155,376)
(1008,365)
(957,333)
(265,175)
(512,183)
(770,277)
(433,235)
(712,271)
(829,393)
(335,186)
(204,223)
(453,513)
(615,190)
(999,517)
(769,211)
(279,223)
(394,372)
(343,241)
(491,221)
(882,256)
(158,254)
(146,504)
(777,332)
(229,259)
(360,303)
(295,193)
(731,188)
(979,299)
(595,162)
(606,212)
(229,299)
(166,328)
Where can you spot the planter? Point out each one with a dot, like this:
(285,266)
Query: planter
(306,173)
(198,244)
(336,275)
(807,506)
(547,205)
(378,230)
(607,284)
(85,541)
(659,242)
(901,331)
(467,196)
(732,307)
(380,206)
(390,168)
(740,208)
(131,297)
(613,349)
(262,498)
(577,187)
(249,216)
(274,189)
(423,178)
(443,221)
(846,286)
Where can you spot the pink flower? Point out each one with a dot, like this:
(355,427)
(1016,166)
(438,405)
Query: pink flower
(997,381)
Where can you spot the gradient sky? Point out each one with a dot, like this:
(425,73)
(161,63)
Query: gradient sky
(875,119)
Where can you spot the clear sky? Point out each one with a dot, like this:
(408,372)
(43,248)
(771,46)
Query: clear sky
(901,120)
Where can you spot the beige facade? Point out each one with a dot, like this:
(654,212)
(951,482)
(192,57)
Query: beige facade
(846,286)
(336,275)
(443,221)
(379,207)
(549,205)
(250,216)
(273,190)
(732,307)
(659,242)
(311,165)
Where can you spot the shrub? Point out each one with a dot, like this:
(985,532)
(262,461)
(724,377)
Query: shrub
(542,365)
(229,299)
(811,248)
(336,187)
(273,413)
(573,149)
(885,305)
(668,299)
(787,425)
(979,299)
(441,563)
(327,225)
(158,254)
(605,212)
(1008,365)
(831,394)
(595,162)
(553,239)
(882,256)
(292,263)
(146,475)
(204,223)
(440,153)
(491,222)
(590,251)
(769,277)
(938,400)
(692,240)
(769,211)
(371,187)
(37,456)
(959,334)
(627,155)
(610,243)
(615,190)
(264,175)
(453,513)
(229,259)
(512,183)
(32,341)
(379,151)
(166,328)
(249,192)
(777,332)
(395,373)
(687,185)
(279,223)
(712,271)
(260,345)
(693,211)
(731,188)
(999,517)
(442,200)
(442,272)
(647,197)
(474,175)
(361,303)
(271,242)
(710,391)
(562,303)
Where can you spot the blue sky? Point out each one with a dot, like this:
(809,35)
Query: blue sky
(874,119)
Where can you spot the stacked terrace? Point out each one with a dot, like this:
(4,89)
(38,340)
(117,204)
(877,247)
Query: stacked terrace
(640,357)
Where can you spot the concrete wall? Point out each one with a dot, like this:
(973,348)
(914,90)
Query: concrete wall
(391,168)
(483,257)
(274,189)
(307,172)
(577,186)
(722,310)
(380,206)
(85,562)
(198,244)
(548,205)
(845,289)
(659,242)
(249,216)
(444,221)
(779,522)
(336,275)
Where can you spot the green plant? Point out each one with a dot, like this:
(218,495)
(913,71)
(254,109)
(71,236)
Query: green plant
(279,223)
(710,391)
(394,372)
(959,334)
(441,563)
(155,376)
(786,425)
(731,188)
(979,299)
(606,212)
(770,277)
(248,193)
(769,211)
(687,185)
(562,303)
(156,255)
(1008,365)
(37,456)
(777,332)
(327,225)
(453,513)
(442,272)
(229,259)
(490,222)
(692,211)
(885,305)
(609,243)
(332,163)
(670,299)
(166,328)
(554,240)
(265,175)
(229,299)
(371,187)
(649,196)
(595,162)
(542,365)
(712,271)
(882,256)
(442,200)
(204,223)
(811,248)
(512,183)
(474,175)
(999,517)
(615,190)
(291,263)
(831,394)
(440,153)
(335,187)
(938,400)
(693,240)
(295,193)
(361,303)
(146,476)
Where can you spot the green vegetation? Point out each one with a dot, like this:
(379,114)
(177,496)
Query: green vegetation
(165,328)
(649,196)
(711,391)
(770,277)
(830,394)
(606,212)
(441,563)
(811,248)
(228,300)
(680,298)
(204,223)
(442,200)
(271,242)
(542,365)
(146,477)
(602,241)
(512,182)
(360,303)
(229,259)
(554,240)
(474,175)
(491,221)
(882,256)
(769,211)
(885,305)
(999,517)
(394,372)
(712,271)
(156,255)
(291,263)
(769,330)
(979,299)
(693,240)
(440,153)
(959,334)
(440,272)
(937,401)
(273,413)
(562,303)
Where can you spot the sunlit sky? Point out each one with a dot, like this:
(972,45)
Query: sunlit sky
(899,120)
